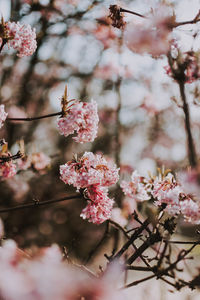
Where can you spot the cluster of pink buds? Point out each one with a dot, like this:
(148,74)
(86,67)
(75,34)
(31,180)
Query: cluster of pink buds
(166,192)
(80,117)
(3,115)
(21,37)
(94,174)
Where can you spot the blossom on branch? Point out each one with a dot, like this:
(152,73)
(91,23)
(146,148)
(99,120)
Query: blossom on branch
(90,169)
(81,117)
(21,37)
(168,194)
(3,115)
(94,174)
(136,188)
(99,206)
(7,170)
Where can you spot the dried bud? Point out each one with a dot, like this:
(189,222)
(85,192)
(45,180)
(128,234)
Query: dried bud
(116,16)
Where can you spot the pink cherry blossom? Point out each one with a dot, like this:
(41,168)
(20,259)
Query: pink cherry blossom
(94,174)
(40,161)
(22,38)
(90,169)
(7,169)
(118,217)
(47,276)
(99,207)
(152,35)
(3,115)
(135,189)
(106,35)
(190,210)
(83,118)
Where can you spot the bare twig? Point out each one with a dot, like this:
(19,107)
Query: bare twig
(38,203)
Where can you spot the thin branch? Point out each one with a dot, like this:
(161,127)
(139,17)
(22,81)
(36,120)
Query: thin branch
(176,24)
(138,281)
(2,44)
(100,243)
(131,12)
(133,237)
(35,118)
(38,203)
(181,242)
(191,147)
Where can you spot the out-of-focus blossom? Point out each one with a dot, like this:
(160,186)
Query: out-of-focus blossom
(152,35)
(105,34)
(136,188)
(92,173)
(189,180)
(40,161)
(80,117)
(16,112)
(19,188)
(7,169)
(118,217)
(24,163)
(112,72)
(3,115)
(22,38)
(46,276)
(90,169)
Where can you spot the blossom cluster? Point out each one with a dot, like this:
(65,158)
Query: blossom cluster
(3,115)
(167,192)
(7,169)
(46,276)
(152,35)
(21,37)
(81,117)
(94,174)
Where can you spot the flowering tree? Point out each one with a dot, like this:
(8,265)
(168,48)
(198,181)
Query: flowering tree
(125,162)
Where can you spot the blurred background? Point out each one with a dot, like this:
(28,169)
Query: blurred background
(141,124)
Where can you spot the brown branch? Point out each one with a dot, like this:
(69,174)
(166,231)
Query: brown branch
(131,12)
(100,243)
(152,239)
(138,281)
(35,118)
(38,203)
(4,41)
(133,237)
(191,147)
